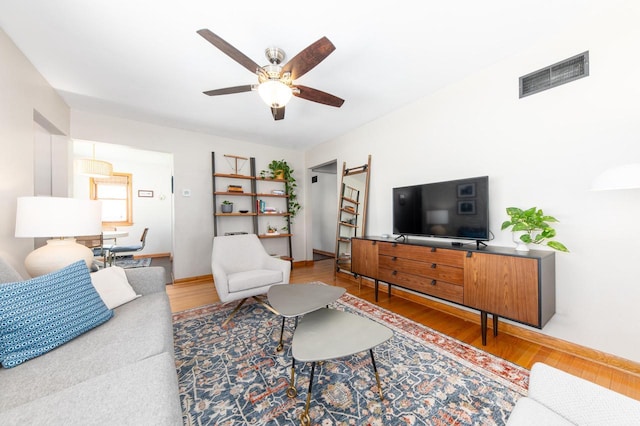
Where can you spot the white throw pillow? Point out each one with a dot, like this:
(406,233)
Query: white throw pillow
(113,287)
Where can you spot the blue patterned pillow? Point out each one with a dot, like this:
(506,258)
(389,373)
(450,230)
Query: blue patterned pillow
(43,313)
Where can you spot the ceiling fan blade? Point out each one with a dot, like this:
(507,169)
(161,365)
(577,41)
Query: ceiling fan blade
(229,90)
(319,96)
(278,113)
(229,50)
(304,61)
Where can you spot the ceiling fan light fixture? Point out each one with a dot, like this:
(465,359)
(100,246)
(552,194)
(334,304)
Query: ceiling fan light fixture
(275,93)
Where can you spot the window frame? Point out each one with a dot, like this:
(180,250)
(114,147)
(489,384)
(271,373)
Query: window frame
(93,194)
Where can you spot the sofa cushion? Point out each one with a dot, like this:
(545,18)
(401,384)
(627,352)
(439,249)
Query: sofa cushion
(141,393)
(580,401)
(42,313)
(113,287)
(139,329)
(247,280)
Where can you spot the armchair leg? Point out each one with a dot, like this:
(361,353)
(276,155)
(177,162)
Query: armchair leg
(235,310)
(233,313)
(266,305)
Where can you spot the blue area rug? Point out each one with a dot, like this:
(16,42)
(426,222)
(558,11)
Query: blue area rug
(233,375)
(133,263)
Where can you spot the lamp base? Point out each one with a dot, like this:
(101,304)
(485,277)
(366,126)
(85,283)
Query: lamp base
(56,255)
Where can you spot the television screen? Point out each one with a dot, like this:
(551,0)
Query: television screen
(451,209)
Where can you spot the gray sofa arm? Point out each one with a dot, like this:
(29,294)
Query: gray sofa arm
(577,400)
(147,280)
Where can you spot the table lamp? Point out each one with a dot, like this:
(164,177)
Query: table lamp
(61,219)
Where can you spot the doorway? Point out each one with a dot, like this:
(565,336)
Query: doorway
(151,194)
(324,209)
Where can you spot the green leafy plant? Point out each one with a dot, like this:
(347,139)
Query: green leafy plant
(227,202)
(535,227)
(279,169)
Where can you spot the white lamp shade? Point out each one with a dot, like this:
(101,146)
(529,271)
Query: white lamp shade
(275,93)
(57,217)
(621,177)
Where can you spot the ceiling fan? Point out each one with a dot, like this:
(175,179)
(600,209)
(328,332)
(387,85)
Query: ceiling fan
(275,81)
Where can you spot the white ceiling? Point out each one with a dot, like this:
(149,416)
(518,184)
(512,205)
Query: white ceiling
(142,59)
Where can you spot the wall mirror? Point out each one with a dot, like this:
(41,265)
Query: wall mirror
(352,211)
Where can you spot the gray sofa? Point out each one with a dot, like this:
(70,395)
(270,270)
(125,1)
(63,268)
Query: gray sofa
(559,398)
(119,373)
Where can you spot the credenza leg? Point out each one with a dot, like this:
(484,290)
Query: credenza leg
(495,324)
(376,290)
(483,327)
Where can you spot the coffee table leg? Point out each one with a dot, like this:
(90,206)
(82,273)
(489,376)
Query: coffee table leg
(291,391)
(280,345)
(375,370)
(304,417)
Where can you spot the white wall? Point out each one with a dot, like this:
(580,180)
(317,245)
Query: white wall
(192,170)
(543,150)
(24,92)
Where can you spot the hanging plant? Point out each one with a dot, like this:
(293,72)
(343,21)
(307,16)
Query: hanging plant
(279,169)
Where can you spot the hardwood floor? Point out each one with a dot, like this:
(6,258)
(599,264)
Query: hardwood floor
(189,295)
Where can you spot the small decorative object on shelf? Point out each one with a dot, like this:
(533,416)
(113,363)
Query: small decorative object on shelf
(238,162)
(531,227)
(226,206)
(235,188)
(271,230)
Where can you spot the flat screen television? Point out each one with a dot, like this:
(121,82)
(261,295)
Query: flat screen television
(452,209)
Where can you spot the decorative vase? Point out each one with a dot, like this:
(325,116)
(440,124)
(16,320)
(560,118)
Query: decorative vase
(521,245)
(226,208)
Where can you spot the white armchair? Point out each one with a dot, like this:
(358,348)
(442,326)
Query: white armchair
(242,268)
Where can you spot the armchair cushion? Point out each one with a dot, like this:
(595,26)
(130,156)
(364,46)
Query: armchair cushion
(252,279)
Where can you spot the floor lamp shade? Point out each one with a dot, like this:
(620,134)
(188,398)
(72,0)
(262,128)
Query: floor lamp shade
(626,176)
(61,218)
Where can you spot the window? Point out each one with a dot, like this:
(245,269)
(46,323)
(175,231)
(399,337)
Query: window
(115,194)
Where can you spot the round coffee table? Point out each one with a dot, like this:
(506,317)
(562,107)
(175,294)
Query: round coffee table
(293,300)
(327,334)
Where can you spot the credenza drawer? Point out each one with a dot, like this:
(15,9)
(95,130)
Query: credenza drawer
(436,271)
(423,254)
(434,287)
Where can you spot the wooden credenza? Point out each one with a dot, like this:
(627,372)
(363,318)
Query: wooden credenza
(494,280)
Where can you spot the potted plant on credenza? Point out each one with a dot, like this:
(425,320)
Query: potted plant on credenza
(531,226)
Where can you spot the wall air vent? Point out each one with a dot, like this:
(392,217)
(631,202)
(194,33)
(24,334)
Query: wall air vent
(554,75)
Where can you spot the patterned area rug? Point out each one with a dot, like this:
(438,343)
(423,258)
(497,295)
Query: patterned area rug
(133,263)
(233,375)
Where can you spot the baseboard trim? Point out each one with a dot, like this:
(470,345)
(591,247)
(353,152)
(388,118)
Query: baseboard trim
(153,255)
(324,253)
(590,354)
(193,280)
